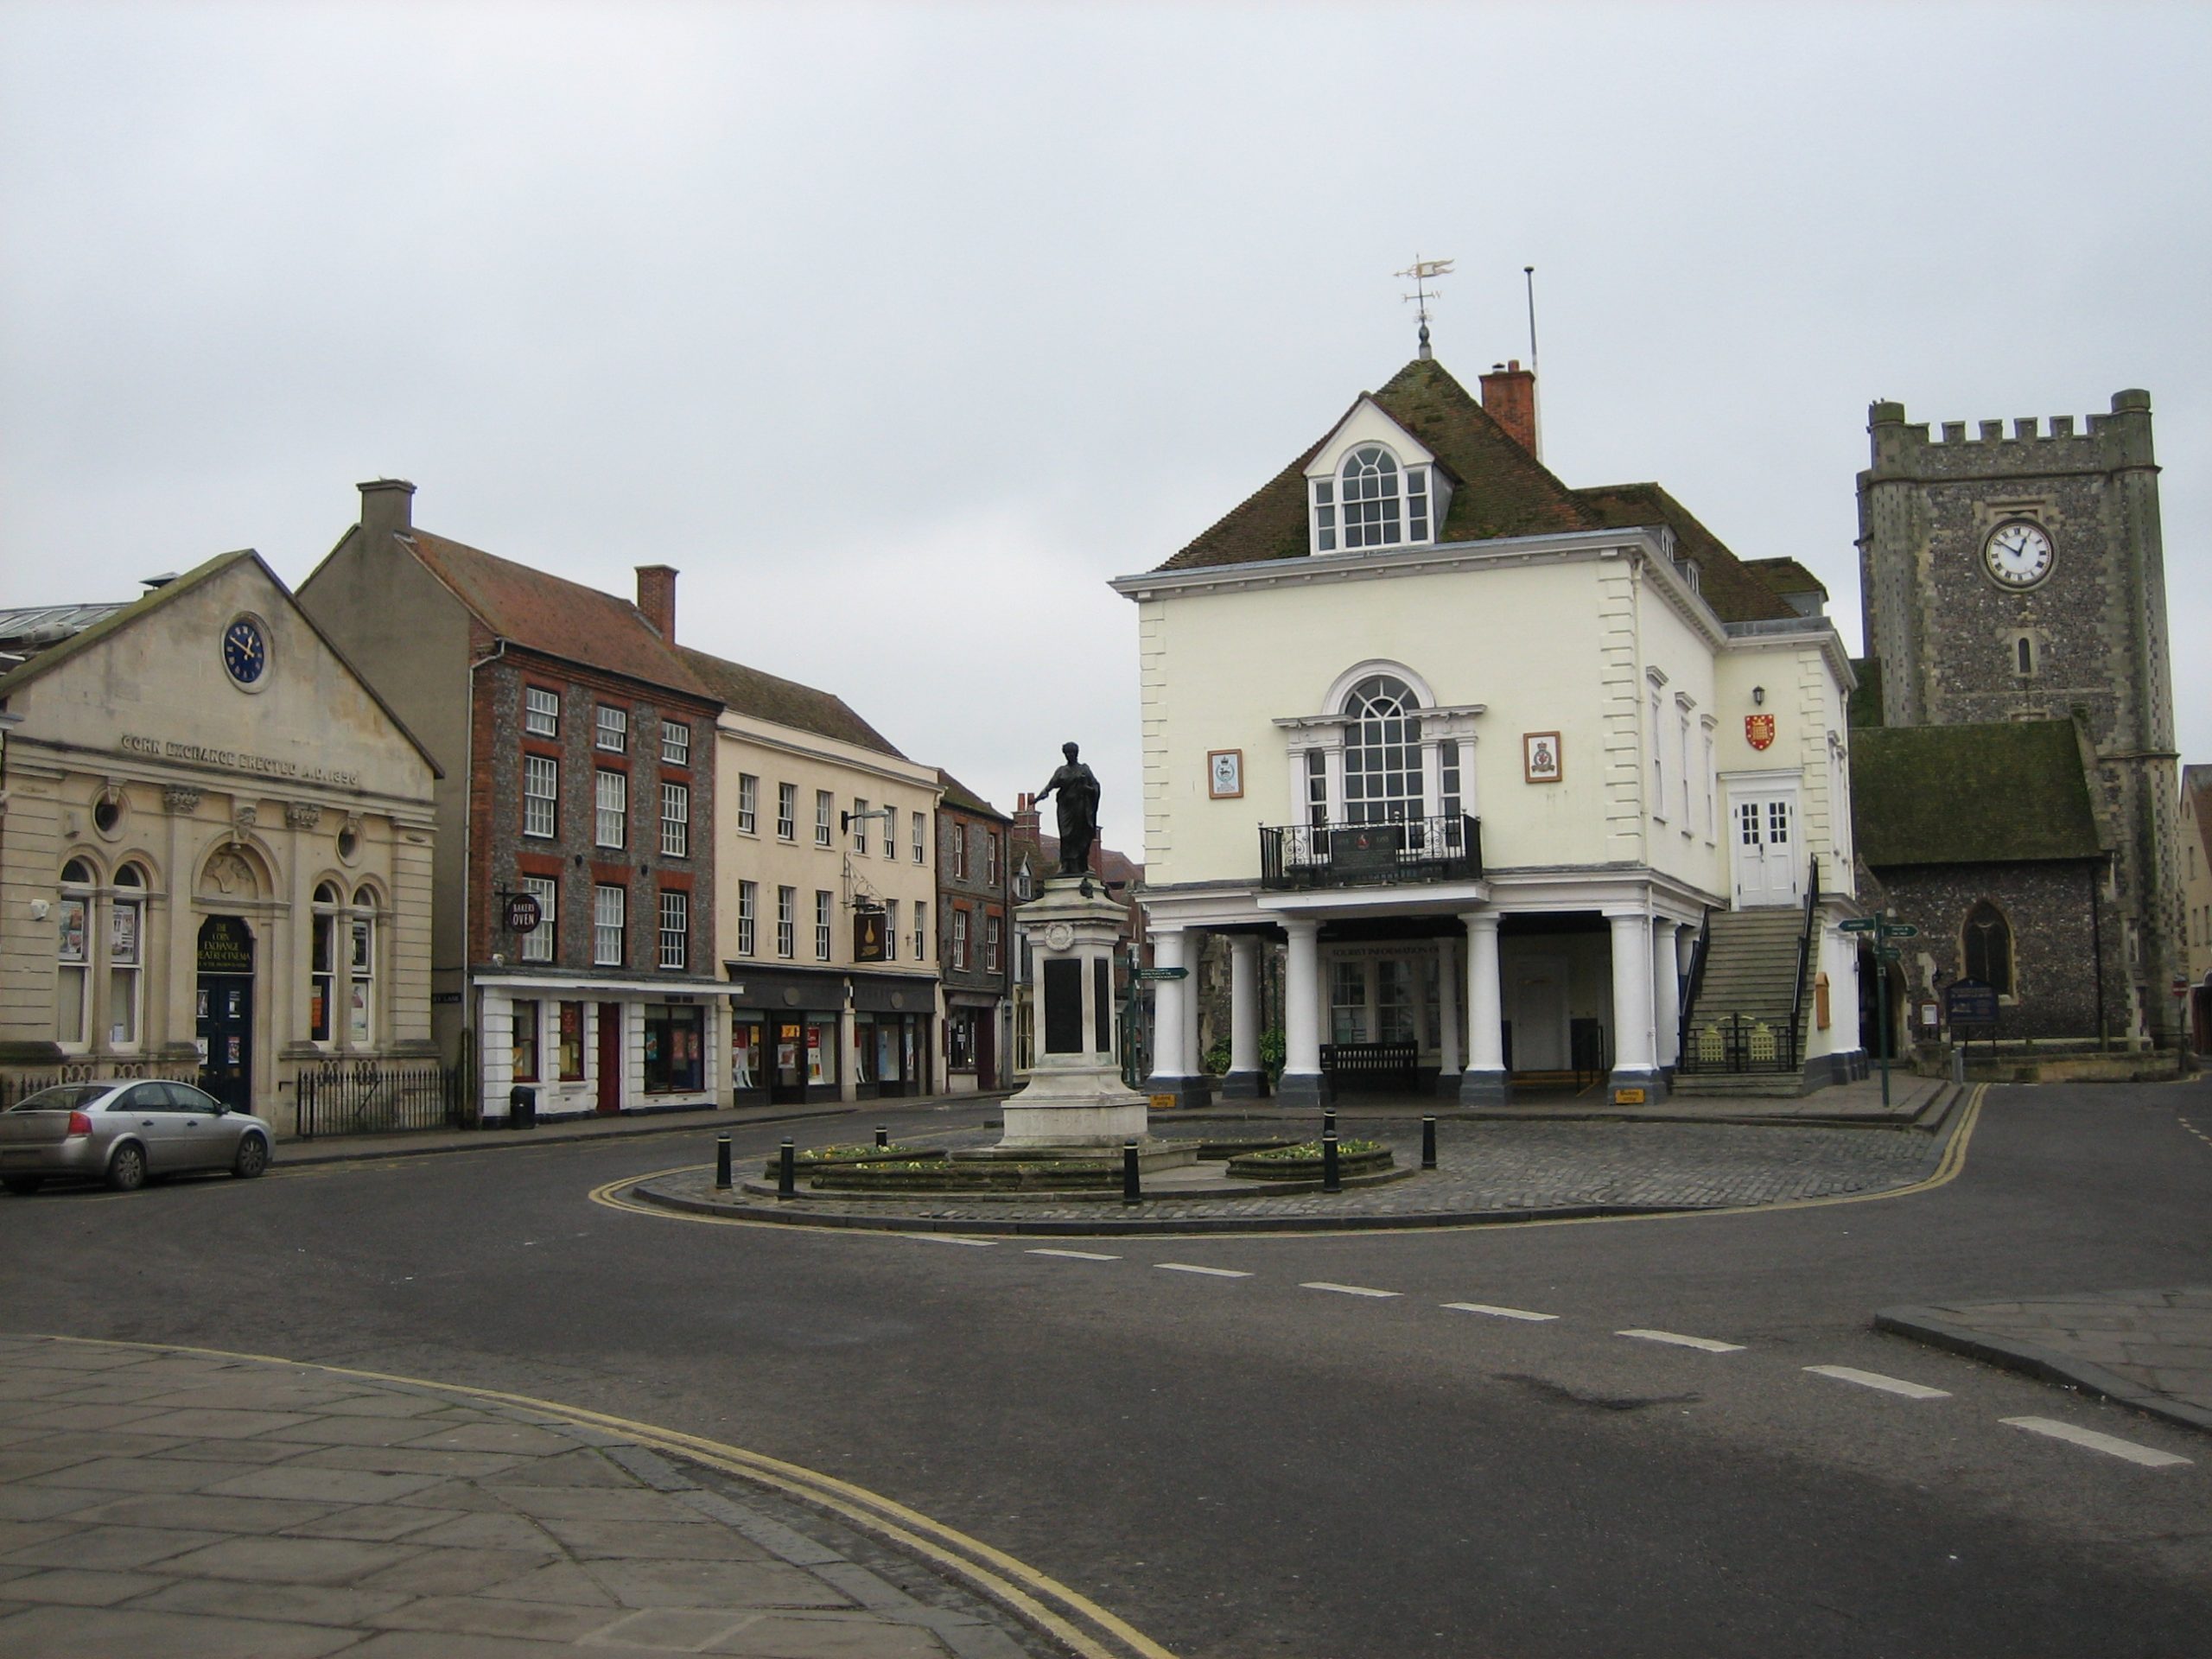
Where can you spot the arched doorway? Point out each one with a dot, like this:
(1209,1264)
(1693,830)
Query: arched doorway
(225,1024)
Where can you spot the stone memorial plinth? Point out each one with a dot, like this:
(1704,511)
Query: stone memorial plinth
(1076,1099)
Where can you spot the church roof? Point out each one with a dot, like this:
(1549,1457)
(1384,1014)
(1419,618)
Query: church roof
(786,703)
(1500,490)
(545,612)
(1995,794)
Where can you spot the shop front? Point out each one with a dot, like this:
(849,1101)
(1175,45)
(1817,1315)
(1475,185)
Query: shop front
(798,1036)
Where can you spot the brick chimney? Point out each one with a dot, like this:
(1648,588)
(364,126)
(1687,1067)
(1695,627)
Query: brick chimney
(1024,818)
(387,508)
(657,597)
(1510,395)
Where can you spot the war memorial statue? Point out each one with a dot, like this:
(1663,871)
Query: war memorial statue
(1078,787)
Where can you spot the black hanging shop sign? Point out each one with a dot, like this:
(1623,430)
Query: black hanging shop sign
(868,936)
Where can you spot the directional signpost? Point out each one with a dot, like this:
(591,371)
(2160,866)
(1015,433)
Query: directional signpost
(1884,930)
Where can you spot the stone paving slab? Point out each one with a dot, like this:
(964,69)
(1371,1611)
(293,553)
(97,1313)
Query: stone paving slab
(463,1530)
(1487,1171)
(2149,1350)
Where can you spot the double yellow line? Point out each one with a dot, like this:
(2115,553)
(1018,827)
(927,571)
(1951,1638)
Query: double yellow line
(1086,1628)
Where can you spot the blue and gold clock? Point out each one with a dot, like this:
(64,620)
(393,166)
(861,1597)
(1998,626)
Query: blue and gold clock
(245,653)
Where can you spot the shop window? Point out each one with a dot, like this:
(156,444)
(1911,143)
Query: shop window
(1348,1002)
(865,1060)
(821,1051)
(675,1048)
(525,1042)
(746,1041)
(572,1042)
(73,986)
(1987,950)
(1393,1001)
(960,1039)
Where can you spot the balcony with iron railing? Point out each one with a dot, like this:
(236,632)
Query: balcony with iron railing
(1296,857)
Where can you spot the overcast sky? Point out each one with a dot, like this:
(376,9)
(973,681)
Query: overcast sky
(901,329)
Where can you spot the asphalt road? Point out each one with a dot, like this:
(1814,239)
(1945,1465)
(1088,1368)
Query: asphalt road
(1275,1464)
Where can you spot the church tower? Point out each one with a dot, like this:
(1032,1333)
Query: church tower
(2021,577)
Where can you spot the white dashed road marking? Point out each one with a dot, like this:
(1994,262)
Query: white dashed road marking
(1211,1273)
(1076,1256)
(1876,1379)
(1344,1290)
(952,1238)
(1499,1313)
(2111,1445)
(1706,1345)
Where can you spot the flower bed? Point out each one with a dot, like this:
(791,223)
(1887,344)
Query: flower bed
(1301,1161)
(810,1159)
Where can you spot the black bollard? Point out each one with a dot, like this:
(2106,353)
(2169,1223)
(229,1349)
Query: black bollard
(1328,1119)
(722,1163)
(1331,1180)
(1429,1140)
(882,1135)
(1132,1176)
(787,1173)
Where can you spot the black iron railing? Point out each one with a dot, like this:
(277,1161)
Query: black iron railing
(1804,958)
(1743,1042)
(1696,984)
(1298,855)
(378,1097)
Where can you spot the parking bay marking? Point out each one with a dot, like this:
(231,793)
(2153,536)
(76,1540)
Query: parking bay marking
(2111,1445)
(1500,1313)
(1704,1344)
(1876,1379)
(1211,1273)
(1076,1256)
(1344,1290)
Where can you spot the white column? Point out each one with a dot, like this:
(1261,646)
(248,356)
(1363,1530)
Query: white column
(1243,1005)
(1667,1000)
(1170,1027)
(1485,1079)
(1634,1063)
(1193,1051)
(1302,1083)
(1448,1011)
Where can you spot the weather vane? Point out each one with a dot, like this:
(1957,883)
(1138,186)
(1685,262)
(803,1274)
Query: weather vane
(1423,272)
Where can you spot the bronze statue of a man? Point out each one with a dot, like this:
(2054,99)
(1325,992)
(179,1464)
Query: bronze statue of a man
(1077,789)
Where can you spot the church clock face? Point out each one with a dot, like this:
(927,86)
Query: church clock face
(2019,554)
(246,652)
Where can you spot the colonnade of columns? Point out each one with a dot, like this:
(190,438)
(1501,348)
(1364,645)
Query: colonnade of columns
(1650,956)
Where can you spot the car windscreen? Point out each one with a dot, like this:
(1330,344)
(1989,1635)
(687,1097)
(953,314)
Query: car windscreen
(62,1097)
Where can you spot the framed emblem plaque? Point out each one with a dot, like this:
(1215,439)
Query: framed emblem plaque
(1225,774)
(1541,761)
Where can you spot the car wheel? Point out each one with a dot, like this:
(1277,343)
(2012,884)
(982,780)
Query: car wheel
(252,1159)
(25,1184)
(126,1170)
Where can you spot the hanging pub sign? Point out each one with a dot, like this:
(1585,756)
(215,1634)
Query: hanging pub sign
(1759,731)
(868,936)
(523,912)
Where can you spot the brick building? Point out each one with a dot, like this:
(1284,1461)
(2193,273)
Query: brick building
(578,755)
(974,886)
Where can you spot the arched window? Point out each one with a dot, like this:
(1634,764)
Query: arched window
(1987,947)
(361,1022)
(1382,757)
(2023,653)
(72,983)
(322,963)
(126,955)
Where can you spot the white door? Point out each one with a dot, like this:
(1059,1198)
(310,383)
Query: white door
(1763,839)
(1539,1015)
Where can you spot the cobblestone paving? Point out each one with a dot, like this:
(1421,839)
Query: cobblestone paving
(1485,1168)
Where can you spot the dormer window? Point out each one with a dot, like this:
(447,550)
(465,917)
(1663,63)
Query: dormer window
(1371,501)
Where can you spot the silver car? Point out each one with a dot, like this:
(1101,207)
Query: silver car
(122,1130)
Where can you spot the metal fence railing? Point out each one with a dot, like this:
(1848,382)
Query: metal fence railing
(1300,856)
(374,1097)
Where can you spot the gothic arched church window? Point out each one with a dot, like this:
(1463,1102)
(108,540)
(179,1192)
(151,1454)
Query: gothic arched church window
(1987,947)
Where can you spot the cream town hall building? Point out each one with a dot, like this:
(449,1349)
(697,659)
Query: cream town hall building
(1516,771)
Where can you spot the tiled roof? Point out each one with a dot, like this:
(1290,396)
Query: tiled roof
(749,691)
(1734,594)
(1786,575)
(552,614)
(957,794)
(1500,490)
(1993,794)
